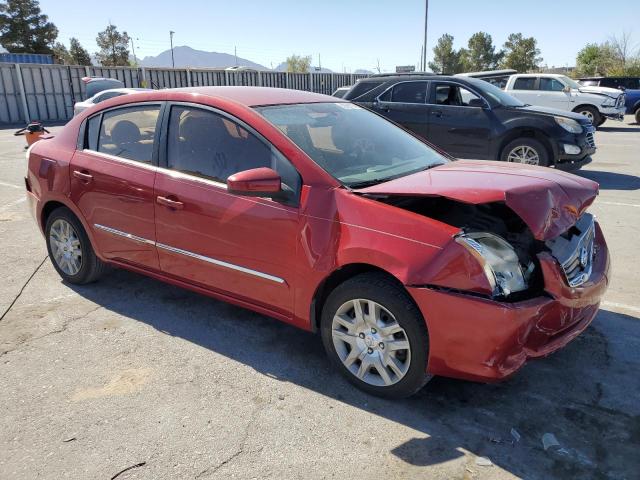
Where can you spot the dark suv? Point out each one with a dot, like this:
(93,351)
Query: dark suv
(630,85)
(470,118)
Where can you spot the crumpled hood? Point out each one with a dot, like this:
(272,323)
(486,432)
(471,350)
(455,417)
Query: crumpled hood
(609,92)
(547,200)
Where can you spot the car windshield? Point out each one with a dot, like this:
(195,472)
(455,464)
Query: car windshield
(570,81)
(354,145)
(493,92)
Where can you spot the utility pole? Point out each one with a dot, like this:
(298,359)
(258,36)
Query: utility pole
(319,63)
(173,63)
(133,49)
(235,53)
(424,43)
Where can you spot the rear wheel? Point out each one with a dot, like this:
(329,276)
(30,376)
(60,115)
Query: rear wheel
(375,336)
(592,114)
(70,250)
(528,151)
(637,115)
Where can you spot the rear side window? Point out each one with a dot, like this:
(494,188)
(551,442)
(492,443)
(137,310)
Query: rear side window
(524,83)
(129,132)
(93,129)
(550,85)
(360,88)
(409,92)
(208,145)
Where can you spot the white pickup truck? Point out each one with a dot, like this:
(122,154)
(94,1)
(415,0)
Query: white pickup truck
(563,93)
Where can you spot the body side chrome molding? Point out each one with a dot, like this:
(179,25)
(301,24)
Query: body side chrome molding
(187,253)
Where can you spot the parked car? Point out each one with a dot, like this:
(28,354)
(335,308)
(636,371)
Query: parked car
(341,91)
(564,93)
(102,96)
(324,215)
(494,77)
(95,85)
(470,118)
(630,86)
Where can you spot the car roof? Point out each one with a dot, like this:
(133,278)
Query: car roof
(256,96)
(539,75)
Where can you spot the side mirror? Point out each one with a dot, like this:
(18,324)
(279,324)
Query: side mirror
(477,102)
(257,182)
(567,89)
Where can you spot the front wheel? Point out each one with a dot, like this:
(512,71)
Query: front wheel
(375,336)
(637,115)
(528,151)
(592,114)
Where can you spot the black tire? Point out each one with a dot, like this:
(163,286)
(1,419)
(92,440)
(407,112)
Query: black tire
(637,115)
(386,292)
(91,267)
(592,113)
(526,142)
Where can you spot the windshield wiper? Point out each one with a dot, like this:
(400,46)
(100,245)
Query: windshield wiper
(367,183)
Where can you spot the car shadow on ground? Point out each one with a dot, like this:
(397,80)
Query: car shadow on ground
(611,180)
(562,394)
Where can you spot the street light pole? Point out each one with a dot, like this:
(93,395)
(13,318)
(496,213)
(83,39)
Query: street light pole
(424,43)
(173,63)
(133,49)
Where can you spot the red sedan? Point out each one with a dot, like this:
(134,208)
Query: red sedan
(312,210)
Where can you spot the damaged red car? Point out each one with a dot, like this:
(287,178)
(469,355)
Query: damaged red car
(329,217)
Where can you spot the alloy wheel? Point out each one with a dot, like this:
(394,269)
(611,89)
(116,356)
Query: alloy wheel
(65,247)
(370,343)
(524,154)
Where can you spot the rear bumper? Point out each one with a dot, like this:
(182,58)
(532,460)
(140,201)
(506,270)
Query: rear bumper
(480,339)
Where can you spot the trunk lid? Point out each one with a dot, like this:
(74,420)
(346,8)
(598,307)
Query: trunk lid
(547,200)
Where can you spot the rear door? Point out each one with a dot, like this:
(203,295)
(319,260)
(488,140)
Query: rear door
(112,178)
(405,103)
(235,245)
(460,121)
(524,89)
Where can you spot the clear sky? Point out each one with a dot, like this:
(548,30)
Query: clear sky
(348,34)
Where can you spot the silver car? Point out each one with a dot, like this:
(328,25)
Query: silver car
(104,95)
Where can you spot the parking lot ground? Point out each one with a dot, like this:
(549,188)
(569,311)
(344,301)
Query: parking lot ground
(99,378)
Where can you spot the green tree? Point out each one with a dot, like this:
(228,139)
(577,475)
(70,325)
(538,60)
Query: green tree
(445,58)
(480,53)
(521,53)
(298,63)
(24,29)
(114,47)
(79,56)
(61,54)
(595,59)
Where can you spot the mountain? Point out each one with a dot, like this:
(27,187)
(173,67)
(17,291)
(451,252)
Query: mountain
(188,57)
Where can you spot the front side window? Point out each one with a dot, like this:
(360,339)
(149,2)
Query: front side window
(525,83)
(550,85)
(129,132)
(209,145)
(455,95)
(352,144)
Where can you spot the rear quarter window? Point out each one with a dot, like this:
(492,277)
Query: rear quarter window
(92,132)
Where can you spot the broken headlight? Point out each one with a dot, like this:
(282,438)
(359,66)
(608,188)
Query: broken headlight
(499,260)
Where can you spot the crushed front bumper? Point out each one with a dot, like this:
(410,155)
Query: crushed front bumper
(614,113)
(479,339)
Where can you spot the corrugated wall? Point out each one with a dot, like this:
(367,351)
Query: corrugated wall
(48,92)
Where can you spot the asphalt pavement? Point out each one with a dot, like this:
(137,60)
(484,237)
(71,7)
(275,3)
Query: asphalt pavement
(131,372)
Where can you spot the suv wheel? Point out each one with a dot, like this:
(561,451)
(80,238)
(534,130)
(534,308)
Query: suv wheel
(527,151)
(375,336)
(637,114)
(70,250)
(592,114)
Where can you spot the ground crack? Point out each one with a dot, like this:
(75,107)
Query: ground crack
(241,450)
(61,329)
(22,288)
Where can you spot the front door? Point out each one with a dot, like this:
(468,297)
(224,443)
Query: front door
(554,95)
(112,180)
(459,121)
(240,246)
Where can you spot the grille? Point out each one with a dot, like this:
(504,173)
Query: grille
(574,250)
(621,100)
(591,141)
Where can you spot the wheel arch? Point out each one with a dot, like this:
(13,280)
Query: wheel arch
(528,132)
(584,105)
(336,278)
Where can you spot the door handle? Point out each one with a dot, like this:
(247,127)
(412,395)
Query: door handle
(167,202)
(85,177)
(437,113)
